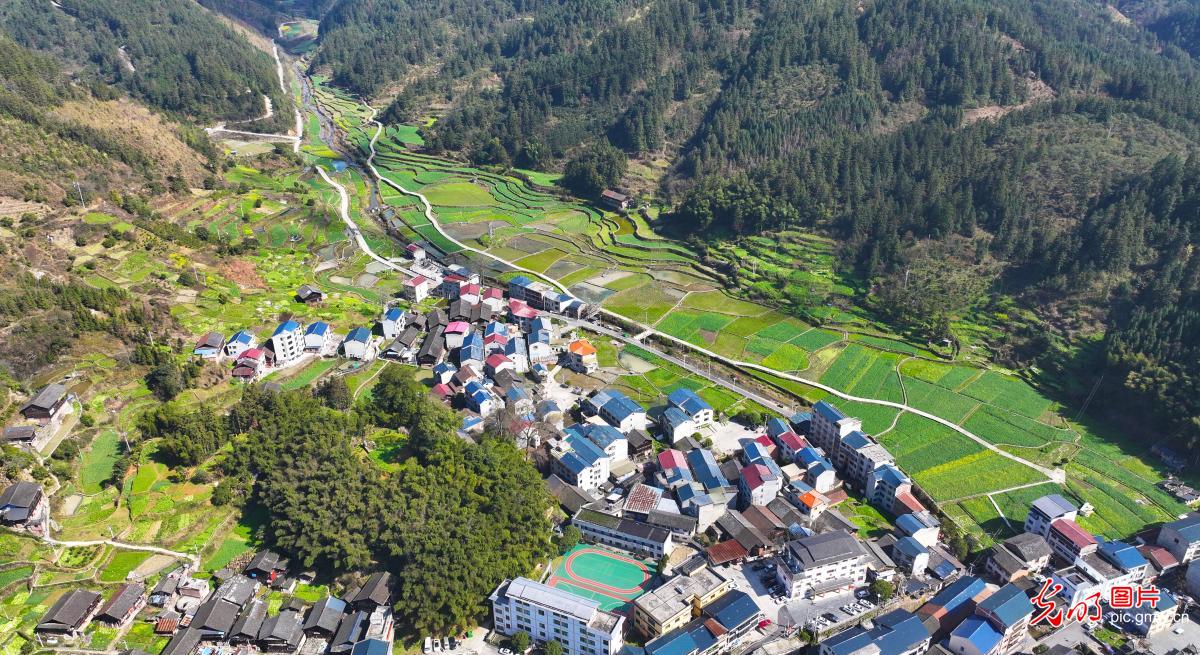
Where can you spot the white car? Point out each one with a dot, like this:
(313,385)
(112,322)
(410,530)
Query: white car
(428,648)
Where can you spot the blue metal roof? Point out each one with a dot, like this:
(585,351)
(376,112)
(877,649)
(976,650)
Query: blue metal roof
(445,367)
(673,418)
(393,314)
(911,547)
(242,336)
(470,422)
(360,334)
(894,633)
(942,569)
(540,323)
(892,475)
(777,426)
(585,448)
(810,456)
(961,591)
(856,440)
(800,418)
(1009,605)
(828,412)
(495,327)
(516,346)
(602,435)
(733,609)
(1188,527)
(707,471)
(909,524)
(980,633)
(473,386)
(688,401)
(516,394)
(371,647)
(820,468)
(1122,555)
(286,326)
(472,340)
(620,406)
(755,452)
(319,328)
(520,281)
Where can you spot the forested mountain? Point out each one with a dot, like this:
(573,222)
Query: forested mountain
(172,54)
(56,130)
(266,15)
(1155,341)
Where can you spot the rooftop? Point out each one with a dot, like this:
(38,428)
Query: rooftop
(1188,527)
(825,548)
(893,633)
(675,595)
(1009,605)
(1071,531)
(1053,505)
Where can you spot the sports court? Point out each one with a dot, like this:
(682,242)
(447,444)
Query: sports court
(610,577)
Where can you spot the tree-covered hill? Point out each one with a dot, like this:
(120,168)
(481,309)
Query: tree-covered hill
(172,54)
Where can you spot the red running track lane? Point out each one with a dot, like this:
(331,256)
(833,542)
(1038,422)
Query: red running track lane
(607,590)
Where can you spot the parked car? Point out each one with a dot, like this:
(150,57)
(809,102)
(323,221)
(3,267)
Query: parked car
(453,643)
(428,648)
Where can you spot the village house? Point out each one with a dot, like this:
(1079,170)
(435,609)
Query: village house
(392,322)
(287,342)
(357,343)
(310,295)
(417,288)
(692,405)
(48,406)
(1046,510)
(1182,538)
(581,357)
(316,336)
(830,562)
(210,346)
(239,343)
(614,200)
(68,616)
(23,504)
(417,253)
(674,425)
(123,604)
(29,437)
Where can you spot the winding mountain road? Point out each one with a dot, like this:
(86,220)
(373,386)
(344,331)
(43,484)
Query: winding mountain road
(1055,475)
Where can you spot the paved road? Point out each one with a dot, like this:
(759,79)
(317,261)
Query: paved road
(1056,475)
(352,227)
(121,544)
(715,378)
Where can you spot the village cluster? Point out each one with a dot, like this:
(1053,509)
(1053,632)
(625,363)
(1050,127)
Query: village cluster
(231,613)
(741,548)
(772,519)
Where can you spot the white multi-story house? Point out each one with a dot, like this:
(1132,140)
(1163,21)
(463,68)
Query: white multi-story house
(1182,538)
(239,343)
(393,322)
(829,426)
(633,536)
(316,336)
(1046,510)
(547,614)
(287,342)
(826,563)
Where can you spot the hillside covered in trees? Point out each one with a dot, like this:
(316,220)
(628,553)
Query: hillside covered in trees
(450,520)
(172,54)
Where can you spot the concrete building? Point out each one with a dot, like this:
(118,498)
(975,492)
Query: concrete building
(1046,510)
(580,462)
(356,343)
(240,342)
(549,614)
(393,322)
(828,562)
(1182,537)
(922,526)
(829,426)
(910,556)
(1068,541)
(677,601)
(633,536)
(287,342)
(721,627)
(1018,556)
(896,633)
(316,336)
(692,405)
(1008,610)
